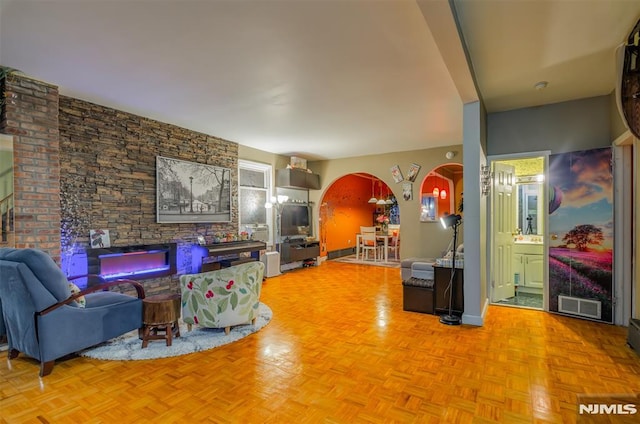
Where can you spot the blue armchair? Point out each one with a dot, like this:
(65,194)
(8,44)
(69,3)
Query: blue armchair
(44,320)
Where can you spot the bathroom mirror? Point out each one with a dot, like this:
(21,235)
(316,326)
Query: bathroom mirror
(529,208)
(7,238)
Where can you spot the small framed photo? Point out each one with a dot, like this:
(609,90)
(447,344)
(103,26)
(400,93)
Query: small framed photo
(201,241)
(428,208)
(407,191)
(99,238)
(413,172)
(396,173)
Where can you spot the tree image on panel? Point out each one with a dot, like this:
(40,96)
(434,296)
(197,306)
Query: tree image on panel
(584,235)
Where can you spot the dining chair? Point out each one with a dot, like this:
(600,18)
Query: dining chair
(394,242)
(368,242)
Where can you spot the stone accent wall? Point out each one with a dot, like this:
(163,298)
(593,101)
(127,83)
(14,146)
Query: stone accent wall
(31,116)
(82,166)
(108,167)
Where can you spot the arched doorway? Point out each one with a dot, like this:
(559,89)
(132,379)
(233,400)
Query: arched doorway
(441,192)
(351,201)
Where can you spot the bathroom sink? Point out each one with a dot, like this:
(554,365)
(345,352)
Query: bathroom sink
(529,239)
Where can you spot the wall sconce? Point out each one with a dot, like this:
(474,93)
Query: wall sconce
(485,179)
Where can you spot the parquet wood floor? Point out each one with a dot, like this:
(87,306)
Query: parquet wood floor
(340,349)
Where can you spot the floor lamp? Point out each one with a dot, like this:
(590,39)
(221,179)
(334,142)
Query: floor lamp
(277,203)
(452,221)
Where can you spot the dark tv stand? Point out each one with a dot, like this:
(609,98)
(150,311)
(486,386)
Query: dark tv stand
(294,250)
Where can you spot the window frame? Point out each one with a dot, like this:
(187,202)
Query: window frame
(267,170)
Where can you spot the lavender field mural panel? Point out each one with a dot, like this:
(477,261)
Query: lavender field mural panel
(581,232)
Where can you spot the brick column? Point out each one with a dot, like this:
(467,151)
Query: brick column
(31,116)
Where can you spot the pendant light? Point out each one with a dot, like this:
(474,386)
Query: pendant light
(443,192)
(389,201)
(381,200)
(373,197)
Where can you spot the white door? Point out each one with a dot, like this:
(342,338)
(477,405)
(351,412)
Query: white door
(503,226)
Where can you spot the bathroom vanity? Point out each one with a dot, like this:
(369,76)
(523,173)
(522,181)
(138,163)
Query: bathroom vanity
(528,263)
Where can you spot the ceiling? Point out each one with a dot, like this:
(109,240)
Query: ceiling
(312,78)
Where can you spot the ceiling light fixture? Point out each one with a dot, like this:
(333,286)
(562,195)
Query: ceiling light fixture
(541,85)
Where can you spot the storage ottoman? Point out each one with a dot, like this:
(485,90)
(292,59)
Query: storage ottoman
(418,295)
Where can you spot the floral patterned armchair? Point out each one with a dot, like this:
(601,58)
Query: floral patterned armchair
(222,298)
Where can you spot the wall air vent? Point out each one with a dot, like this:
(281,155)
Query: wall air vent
(582,307)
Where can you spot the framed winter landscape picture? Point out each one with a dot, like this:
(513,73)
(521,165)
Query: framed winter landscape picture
(192,192)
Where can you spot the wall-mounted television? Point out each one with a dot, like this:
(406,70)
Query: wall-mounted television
(295,220)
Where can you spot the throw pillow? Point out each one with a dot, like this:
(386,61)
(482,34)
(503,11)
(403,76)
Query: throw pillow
(80,302)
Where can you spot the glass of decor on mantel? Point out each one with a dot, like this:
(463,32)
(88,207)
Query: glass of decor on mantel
(383,220)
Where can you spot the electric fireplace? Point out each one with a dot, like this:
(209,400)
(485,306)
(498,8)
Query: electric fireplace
(133,262)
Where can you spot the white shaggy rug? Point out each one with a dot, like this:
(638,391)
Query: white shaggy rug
(129,347)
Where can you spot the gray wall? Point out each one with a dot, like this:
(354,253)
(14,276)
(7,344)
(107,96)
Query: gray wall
(475,221)
(561,127)
(618,126)
(419,239)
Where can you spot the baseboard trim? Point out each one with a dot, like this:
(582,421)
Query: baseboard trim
(477,320)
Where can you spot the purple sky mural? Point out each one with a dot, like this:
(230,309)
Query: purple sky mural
(586,183)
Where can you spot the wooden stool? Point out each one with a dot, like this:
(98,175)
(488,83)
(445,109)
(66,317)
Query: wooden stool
(160,315)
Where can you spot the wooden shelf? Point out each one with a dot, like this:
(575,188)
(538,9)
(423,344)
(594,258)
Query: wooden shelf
(293,251)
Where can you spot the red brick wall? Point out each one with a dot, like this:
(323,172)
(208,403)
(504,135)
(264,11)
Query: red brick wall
(31,116)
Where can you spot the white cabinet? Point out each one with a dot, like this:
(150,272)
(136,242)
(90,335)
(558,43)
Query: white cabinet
(528,265)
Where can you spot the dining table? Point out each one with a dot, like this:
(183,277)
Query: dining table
(379,236)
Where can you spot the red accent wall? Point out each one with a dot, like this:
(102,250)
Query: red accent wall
(344,209)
